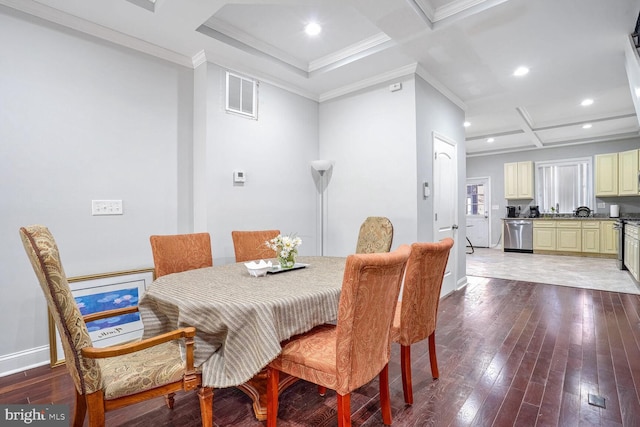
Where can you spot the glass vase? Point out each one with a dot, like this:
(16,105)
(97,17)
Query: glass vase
(289,261)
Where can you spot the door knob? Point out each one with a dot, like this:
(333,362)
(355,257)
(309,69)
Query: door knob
(454,226)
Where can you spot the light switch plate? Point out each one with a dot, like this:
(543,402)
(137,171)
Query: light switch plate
(106,207)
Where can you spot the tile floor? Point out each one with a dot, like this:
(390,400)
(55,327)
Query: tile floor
(580,272)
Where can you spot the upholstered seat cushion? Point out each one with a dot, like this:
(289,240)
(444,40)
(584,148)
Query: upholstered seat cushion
(142,370)
(308,356)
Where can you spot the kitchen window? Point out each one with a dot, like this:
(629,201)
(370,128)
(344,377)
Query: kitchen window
(563,185)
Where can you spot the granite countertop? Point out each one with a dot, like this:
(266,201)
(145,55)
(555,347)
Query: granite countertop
(597,217)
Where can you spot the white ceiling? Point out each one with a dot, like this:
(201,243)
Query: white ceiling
(467,49)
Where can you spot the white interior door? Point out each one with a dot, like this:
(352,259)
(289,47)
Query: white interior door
(477,211)
(445,206)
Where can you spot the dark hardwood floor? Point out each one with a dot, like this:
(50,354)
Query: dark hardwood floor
(509,353)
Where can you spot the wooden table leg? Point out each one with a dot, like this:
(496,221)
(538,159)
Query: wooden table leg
(256,389)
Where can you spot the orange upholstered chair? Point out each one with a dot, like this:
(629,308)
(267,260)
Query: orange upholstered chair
(375,235)
(180,252)
(249,245)
(345,356)
(111,377)
(417,312)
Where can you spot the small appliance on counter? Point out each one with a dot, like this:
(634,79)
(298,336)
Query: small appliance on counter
(582,212)
(534,212)
(614,211)
(511,212)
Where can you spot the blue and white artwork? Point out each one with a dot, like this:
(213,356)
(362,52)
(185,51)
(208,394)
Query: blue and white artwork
(103,301)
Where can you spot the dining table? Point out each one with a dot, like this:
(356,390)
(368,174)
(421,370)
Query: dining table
(240,319)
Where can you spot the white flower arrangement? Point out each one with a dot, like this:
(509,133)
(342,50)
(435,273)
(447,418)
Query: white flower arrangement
(284,245)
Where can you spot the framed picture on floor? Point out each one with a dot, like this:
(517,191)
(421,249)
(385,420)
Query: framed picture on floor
(101,292)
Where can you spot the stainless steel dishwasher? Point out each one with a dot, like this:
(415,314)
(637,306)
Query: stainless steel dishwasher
(518,235)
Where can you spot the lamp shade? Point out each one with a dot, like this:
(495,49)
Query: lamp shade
(321,165)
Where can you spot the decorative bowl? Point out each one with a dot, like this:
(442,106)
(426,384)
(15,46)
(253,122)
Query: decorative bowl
(257,269)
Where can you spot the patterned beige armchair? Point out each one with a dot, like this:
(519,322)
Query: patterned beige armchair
(417,312)
(249,245)
(180,252)
(375,236)
(350,354)
(112,377)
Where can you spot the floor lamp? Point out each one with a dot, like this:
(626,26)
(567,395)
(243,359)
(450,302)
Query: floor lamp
(322,166)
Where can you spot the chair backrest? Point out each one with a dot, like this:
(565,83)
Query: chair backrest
(421,290)
(180,252)
(250,246)
(375,236)
(45,259)
(368,301)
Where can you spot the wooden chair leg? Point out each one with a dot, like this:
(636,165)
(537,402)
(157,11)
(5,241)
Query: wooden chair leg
(273,378)
(405,365)
(170,400)
(344,410)
(205,395)
(80,410)
(432,356)
(95,407)
(385,397)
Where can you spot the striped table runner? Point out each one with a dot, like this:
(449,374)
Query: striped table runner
(240,319)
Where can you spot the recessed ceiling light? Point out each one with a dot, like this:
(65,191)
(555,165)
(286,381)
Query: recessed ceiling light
(520,71)
(587,102)
(586,126)
(490,140)
(313,29)
(466,124)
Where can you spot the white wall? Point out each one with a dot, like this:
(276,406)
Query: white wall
(436,113)
(81,119)
(275,152)
(371,135)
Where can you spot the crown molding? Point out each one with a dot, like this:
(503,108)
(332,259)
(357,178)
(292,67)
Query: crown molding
(199,59)
(354,50)
(426,76)
(55,16)
(381,78)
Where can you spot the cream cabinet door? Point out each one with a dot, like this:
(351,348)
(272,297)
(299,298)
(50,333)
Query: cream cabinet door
(510,180)
(569,236)
(628,173)
(591,240)
(544,235)
(608,238)
(607,174)
(525,180)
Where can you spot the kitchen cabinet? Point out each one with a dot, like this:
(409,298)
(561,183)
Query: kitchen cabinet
(569,236)
(606,174)
(608,238)
(628,173)
(632,250)
(518,180)
(544,235)
(617,174)
(591,236)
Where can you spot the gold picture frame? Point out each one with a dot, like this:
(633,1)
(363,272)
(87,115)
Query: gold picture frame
(98,292)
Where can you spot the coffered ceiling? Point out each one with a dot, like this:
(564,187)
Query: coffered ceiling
(468,49)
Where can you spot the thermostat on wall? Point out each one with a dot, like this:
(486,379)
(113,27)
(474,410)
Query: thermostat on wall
(238,176)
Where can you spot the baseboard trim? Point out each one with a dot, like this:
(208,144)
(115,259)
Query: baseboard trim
(23,360)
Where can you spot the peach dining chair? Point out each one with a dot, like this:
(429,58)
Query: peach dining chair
(111,377)
(375,236)
(345,356)
(417,312)
(250,245)
(175,253)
